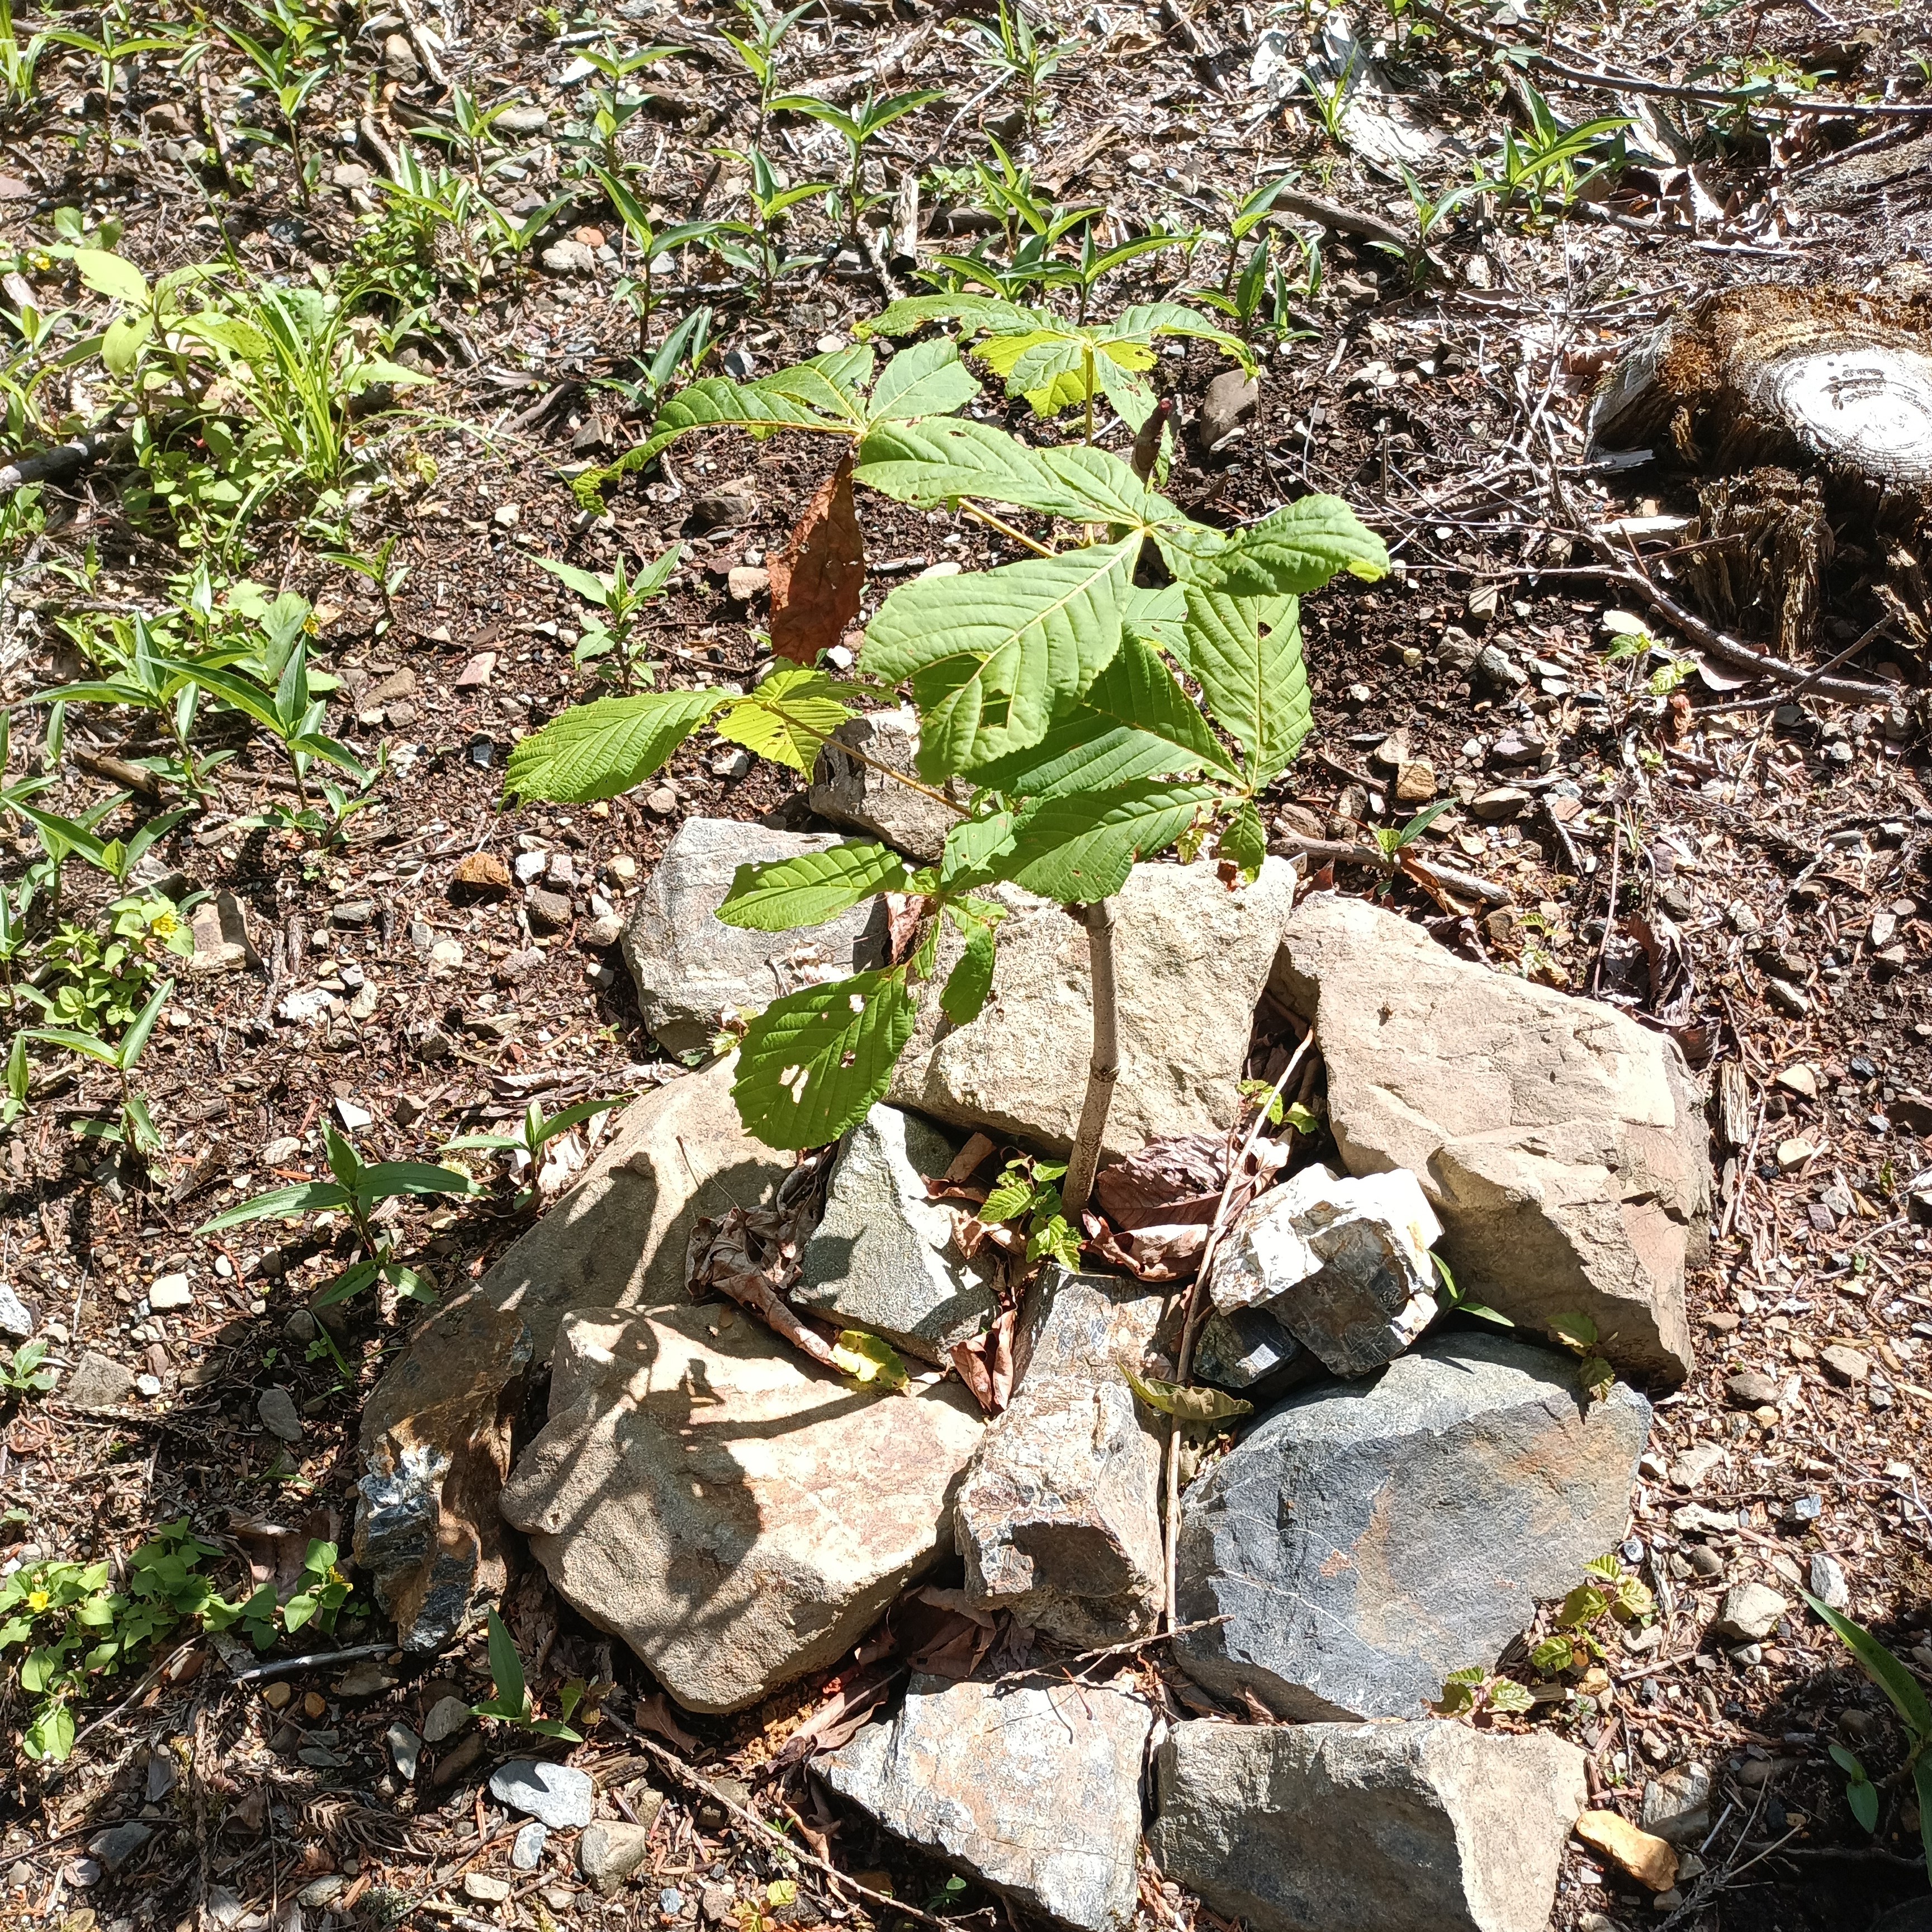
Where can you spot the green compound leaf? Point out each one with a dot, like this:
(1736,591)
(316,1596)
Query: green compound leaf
(598,750)
(1079,847)
(787,718)
(812,1063)
(990,657)
(1296,550)
(810,888)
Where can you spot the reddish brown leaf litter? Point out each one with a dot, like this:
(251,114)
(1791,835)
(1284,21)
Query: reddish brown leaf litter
(819,578)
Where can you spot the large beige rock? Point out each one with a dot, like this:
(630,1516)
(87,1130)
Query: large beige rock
(737,1514)
(1191,957)
(1034,1789)
(1421,1827)
(691,967)
(435,1437)
(1562,1145)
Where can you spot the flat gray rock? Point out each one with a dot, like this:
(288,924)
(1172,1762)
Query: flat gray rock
(1562,1145)
(98,1382)
(279,1415)
(117,1844)
(436,1433)
(691,967)
(558,1795)
(737,1514)
(1032,1789)
(1425,1827)
(1058,1517)
(1365,1540)
(1191,959)
(882,1257)
(849,793)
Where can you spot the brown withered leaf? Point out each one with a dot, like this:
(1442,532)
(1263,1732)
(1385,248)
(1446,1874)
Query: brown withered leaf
(1169,1180)
(839,1719)
(654,1713)
(1166,1252)
(968,1161)
(818,577)
(744,1254)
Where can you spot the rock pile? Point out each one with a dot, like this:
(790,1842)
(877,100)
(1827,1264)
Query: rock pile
(1406,1493)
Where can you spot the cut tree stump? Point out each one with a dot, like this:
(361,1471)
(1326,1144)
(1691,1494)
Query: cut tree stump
(1755,376)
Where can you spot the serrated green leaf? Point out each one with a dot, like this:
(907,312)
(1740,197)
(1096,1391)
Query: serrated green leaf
(787,718)
(990,657)
(598,750)
(927,379)
(812,1063)
(867,1359)
(1507,1694)
(936,461)
(973,847)
(1553,1656)
(1080,846)
(810,887)
(1296,550)
(1576,1331)
(1243,841)
(1595,1377)
(963,997)
(819,394)
(1246,653)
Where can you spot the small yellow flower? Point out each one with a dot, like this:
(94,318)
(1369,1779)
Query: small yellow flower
(38,1601)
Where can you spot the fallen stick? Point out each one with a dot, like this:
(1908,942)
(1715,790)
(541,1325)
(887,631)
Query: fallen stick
(290,1666)
(684,1773)
(1665,90)
(1337,852)
(136,778)
(62,463)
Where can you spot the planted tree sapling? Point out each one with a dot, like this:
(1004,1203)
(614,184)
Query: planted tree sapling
(1062,693)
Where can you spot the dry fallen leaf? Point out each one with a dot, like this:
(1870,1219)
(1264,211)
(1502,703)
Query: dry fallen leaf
(818,577)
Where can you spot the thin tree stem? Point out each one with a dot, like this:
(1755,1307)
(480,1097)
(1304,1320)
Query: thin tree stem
(1103,1070)
(1005,528)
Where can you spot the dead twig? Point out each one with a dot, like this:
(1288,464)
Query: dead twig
(703,1785)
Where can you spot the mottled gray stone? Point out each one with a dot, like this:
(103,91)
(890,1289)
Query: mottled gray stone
(691,967)
(1191,959)
(1749,1614)
(447,1716)
(405,1750)
(1424,1827)
(1563,1146)
(737,1514)
(279,1415)
(117,1844)
(610,1852)
(1034,1789)
(882,1257)
(851,793)
(1243,1347)
(1677,1804)
(1342,1264)
(1366,1540)
(527,1848)
(436,1433)
(1058,1517)
(560,1795)
(98,1382)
